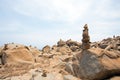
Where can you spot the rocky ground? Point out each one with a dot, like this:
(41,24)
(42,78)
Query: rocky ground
(64,61)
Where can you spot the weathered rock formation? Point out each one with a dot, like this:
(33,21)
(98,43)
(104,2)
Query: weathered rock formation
(46,49)
(86,61)
(97,64)
(28,63)
(73,45)
(110,44)
(94,63)
(16,59)
(61,43)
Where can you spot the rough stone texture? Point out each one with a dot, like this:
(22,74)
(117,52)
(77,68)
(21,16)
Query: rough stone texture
(89,65)
(73,45)
(64,50)
(110,43)
(19,55)
(75,48)
(28,63)
(46,49)
(16,60)
(95,64)
(36,74)
(61,43)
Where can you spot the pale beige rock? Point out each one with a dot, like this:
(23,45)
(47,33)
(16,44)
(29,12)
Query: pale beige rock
(28,63)
(46,49)
(61,43)
(115,78)
(64,50)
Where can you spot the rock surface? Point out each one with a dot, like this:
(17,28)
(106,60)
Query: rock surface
(67,60)
(95,64)
(46,49)
(28,63)
(100,62)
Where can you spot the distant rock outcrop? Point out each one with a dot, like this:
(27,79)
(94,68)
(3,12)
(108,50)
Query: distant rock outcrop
(61,43)
(72,45)
(46,49)
(110,43)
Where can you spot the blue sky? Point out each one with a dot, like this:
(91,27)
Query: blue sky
(41,22)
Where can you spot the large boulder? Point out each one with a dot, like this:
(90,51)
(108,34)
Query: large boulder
(95,64)
(17,59)
(16,53)
(19,55)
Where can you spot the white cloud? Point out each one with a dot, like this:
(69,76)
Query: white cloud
(60,10)
(10,26)
(70,14)
(105,9)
